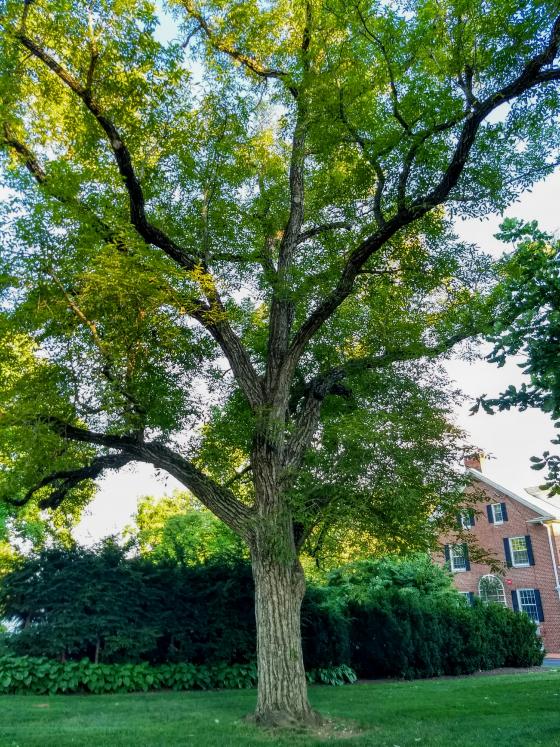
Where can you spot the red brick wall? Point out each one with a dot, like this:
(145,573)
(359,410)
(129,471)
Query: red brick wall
(538,576)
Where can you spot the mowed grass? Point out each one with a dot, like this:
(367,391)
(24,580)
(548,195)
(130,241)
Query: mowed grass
(522,709)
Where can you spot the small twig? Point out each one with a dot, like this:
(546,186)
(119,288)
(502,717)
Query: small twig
(238,476)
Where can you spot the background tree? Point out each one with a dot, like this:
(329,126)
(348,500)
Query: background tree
(215,261)
(531,297)
(178,529)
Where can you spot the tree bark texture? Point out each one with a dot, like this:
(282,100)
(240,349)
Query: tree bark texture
(282,692)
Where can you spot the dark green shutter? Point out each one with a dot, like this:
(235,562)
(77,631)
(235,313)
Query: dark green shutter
(471,517)
(539,605)
(467,561)
(514,601)
(504,511)
(507,552)
(530,550)
(447,553)
(490,516)
(470,598)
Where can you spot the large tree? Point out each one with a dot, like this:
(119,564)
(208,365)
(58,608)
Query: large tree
(246,228)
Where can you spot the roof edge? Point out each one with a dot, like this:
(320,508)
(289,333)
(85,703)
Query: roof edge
(514,496)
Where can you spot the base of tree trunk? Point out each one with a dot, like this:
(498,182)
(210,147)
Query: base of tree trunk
(287,719)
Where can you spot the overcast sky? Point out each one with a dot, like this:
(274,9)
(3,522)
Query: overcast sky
(510,437)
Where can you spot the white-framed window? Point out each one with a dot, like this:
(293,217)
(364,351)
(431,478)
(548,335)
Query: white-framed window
(469,596)
(491,589)
(497,513)
(519,552)
(529,601)
(458,558)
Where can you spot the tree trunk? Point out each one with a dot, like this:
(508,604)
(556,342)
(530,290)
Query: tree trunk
(282,689)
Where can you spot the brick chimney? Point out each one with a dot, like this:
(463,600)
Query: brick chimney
(474,461)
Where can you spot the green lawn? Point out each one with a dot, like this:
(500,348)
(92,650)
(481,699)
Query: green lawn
(499,710)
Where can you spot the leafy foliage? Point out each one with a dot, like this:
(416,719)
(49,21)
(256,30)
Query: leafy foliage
(341,675)
(361,580)
(177,529)
(39,675)
(26,675)
(529,325)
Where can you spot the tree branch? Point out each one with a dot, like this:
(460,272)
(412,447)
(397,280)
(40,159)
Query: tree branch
(281,309)
(220,45)
(370,158)
(236,354)
(64,481)
(531,76)
(32,164)
(218,499)
(150,233)
(323,228)
(29,159)
(392,84)
(234,350)
(307,420)
(331,383)
(410,156)
(136,407)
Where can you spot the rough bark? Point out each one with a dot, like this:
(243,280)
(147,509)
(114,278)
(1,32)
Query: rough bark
(279,589)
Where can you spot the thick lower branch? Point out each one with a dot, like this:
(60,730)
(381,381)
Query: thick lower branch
(217,498)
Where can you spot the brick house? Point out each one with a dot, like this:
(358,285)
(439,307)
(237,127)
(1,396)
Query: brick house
(521,531)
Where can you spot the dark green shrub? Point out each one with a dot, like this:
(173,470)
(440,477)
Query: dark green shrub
(520,645)
(101,605)
(208,616)
(325,630)
(383,620)
(402,634)
(381,644)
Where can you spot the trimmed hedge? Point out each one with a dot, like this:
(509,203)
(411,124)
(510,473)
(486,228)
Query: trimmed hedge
(325,630)
(405,635)
(382,618)
(72,603)
(27,675)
